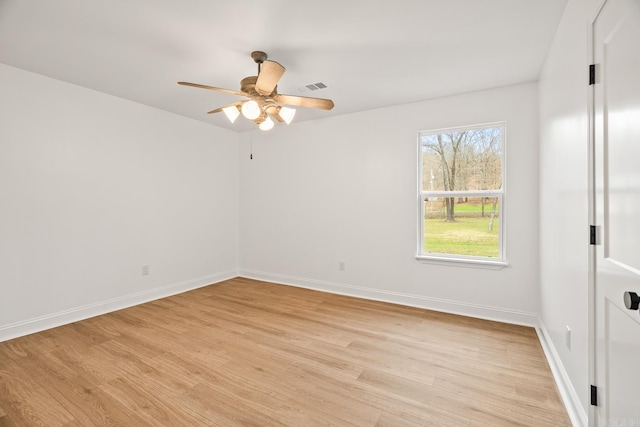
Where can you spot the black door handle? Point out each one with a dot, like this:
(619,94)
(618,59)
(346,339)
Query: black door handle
(631,300)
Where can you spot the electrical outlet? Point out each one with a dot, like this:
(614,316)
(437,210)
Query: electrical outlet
(145,270)
(567,337)
(341,265)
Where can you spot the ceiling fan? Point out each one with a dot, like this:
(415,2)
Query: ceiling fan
(264,100)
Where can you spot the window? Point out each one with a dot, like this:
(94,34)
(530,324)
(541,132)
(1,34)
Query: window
(461,194)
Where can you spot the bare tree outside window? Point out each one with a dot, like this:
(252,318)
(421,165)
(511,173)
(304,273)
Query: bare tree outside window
(461,189)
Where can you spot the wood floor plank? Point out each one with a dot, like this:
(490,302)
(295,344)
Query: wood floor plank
(394,384)
(390,420)
(250,353)
(27,400)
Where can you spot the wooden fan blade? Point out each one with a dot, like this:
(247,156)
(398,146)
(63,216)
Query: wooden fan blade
(302,101)
(270,73)
(217,89)
(217,110)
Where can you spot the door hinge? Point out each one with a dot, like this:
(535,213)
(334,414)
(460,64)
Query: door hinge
(592,74)
(593,235)
(594,395)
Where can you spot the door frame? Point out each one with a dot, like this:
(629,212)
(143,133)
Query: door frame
(591,159)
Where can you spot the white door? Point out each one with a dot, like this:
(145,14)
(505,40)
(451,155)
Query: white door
(616,131)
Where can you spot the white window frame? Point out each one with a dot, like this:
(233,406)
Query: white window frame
(465,260)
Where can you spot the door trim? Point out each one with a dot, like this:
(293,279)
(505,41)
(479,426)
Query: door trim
(591,326)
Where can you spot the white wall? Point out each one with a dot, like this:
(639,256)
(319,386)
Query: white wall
(91,188)
(344,188)
(564,218)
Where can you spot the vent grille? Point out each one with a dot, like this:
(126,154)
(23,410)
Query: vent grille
(313,86)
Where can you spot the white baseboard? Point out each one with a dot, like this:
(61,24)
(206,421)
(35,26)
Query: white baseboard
(436,304)
(15,330)
(568,393)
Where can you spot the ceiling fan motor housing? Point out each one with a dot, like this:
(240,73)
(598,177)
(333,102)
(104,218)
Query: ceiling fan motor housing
(248,85)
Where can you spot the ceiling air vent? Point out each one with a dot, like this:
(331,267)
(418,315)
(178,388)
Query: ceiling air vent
(313,86)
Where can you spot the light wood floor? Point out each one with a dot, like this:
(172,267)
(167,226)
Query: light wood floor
(251,353)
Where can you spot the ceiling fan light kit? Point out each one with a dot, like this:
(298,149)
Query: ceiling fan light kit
(251,110)
(264,100)
(287,114)
(231,112)
(266,124)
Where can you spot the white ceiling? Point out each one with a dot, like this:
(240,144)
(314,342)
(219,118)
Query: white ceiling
(370,54)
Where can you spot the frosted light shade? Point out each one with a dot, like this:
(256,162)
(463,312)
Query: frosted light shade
(251,110)
(287,114)
(267,124)
(232,113)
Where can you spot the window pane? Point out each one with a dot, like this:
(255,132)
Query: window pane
(466,226)
(465,160)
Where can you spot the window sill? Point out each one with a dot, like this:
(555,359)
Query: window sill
(463,262)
